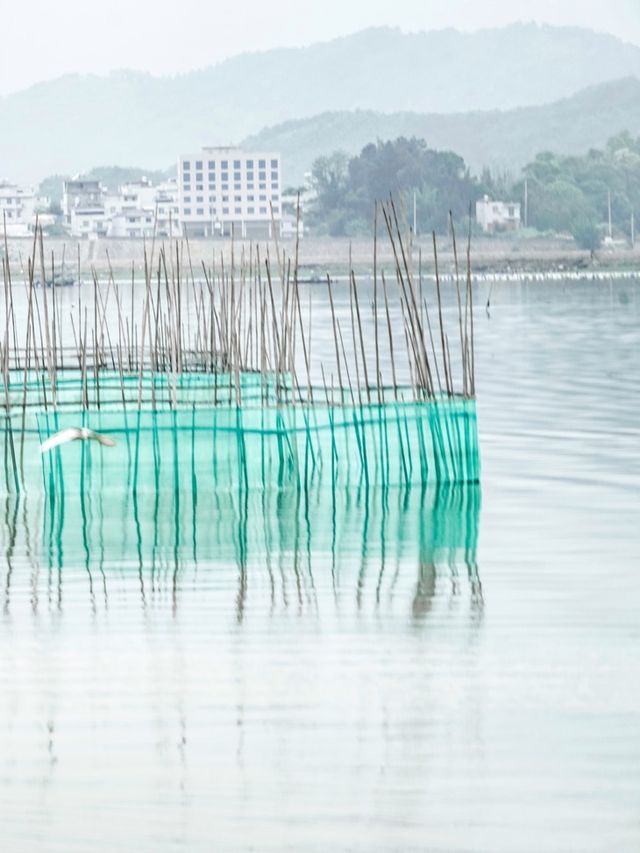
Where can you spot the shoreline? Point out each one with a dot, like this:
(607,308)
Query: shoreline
(491,258)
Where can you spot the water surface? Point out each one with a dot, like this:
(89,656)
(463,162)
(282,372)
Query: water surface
(441,671)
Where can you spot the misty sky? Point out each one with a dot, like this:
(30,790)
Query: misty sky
(47,39)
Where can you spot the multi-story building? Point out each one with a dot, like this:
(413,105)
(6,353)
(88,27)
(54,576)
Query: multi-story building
(225,189)
(17,208)
(495,216)
(140,209)
(83,208)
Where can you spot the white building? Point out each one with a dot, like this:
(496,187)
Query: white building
(139,209)
(83,208)
(221,189)
(86,221)
(495,216)
(90,211)
(18,209)
(81,196)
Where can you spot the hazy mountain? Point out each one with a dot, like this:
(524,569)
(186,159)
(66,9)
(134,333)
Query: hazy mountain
(506,140)
(68,124)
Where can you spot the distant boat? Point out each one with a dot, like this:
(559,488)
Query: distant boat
(313,279)
(57,281)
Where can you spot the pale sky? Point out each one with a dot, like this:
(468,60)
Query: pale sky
(47,38)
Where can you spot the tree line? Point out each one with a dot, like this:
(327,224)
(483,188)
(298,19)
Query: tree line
(565,194)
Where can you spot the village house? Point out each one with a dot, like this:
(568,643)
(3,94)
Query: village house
(18,206)
(494,216)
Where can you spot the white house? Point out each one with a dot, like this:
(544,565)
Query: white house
(83,207)
(494,216)
(139,209)
(88,222)
(220,189)
(17,208)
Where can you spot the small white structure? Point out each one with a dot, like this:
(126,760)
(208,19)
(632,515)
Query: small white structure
(225,189)
(495,216)
(17,208)
(288,224)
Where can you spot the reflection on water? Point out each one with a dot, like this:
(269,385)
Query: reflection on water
(365,543)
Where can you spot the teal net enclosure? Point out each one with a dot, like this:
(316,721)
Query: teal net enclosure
(259,446)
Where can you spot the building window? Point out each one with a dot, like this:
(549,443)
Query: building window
(187,188)
(262,176)
(212,185)
(187,211)
(200,211)
(225,186)
(251,210)
(276,209)
(250,175)
(249,164)
(263,210)
(262,186)
(250,186)
(225,198)
(275,196)
(187,199)
(263,198)
(225,211)
(225,176)
(274,176)
(239,210)
(274,185)
(212,198)
(186,165)
(262,164)
(212,165)
(224,164)
(199,199)
(212,211)
(250,198)
(237,186)
(274,164)
(199,165)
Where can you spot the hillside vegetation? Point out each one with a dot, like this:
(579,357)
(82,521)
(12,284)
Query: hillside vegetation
(66,125)
(500,140)
(567,194)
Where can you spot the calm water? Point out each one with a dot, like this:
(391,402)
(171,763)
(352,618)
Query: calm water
(454,672)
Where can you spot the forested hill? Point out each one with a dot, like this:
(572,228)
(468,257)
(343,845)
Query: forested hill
(500,140)
(69,124)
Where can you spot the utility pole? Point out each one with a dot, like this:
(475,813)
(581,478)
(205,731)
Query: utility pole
(526,202)
(415,215)
(609,208)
